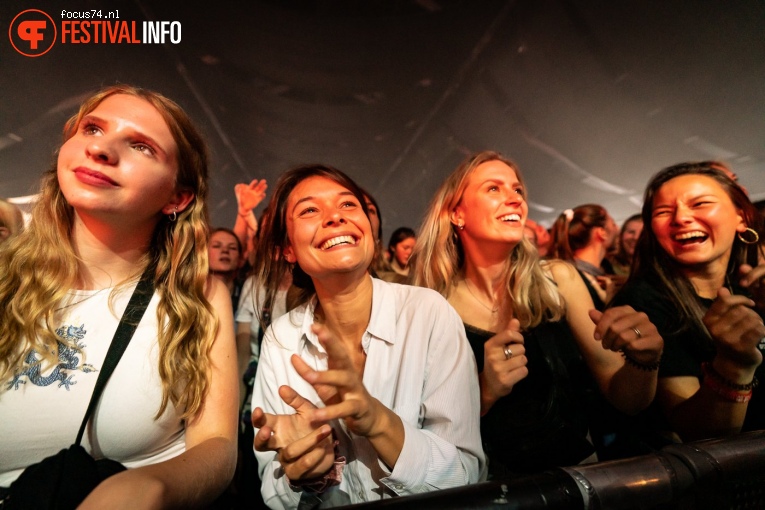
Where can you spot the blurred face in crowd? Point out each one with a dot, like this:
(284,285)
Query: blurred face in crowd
(630,235)
(224,252)
(403,250)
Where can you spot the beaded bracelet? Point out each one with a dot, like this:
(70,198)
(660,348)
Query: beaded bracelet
(710,372)
(647,367)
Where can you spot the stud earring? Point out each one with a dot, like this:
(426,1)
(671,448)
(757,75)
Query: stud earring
(751,234)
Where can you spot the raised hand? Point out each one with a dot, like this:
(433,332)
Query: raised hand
(504,364)
(736,329)
(248,196)
(623,329)
(304,445)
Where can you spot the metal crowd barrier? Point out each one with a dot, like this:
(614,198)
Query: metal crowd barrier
(716,474)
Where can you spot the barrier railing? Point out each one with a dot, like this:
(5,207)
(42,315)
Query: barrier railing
(716,474)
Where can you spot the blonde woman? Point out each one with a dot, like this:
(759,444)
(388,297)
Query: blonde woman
(127,193)
(529,324)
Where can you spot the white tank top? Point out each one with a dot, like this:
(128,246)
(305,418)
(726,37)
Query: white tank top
(41,410)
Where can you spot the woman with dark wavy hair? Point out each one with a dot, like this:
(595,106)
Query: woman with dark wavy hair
(696,274)
(126,197)
(368,389)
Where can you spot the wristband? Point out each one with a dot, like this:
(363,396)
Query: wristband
(321,483)
(711,373)
(729,394)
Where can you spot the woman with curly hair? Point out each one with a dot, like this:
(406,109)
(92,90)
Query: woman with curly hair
(125,198)
(529,323)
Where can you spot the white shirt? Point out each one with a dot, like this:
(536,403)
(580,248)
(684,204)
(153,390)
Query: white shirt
(419,364)
(41,411)
(253,295)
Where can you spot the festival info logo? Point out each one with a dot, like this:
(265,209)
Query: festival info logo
(32,33)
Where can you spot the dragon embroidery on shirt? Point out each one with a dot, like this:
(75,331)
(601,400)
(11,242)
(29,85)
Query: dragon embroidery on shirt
(68,359)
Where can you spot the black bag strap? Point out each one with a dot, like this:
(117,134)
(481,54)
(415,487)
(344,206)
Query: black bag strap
(128,323)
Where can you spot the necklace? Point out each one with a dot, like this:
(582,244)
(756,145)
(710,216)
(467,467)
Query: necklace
(69,305)
(492,310)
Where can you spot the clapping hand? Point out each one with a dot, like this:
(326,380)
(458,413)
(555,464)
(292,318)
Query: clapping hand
(504,364)
(304,449)
(736,328)
(340,387)
(621,328)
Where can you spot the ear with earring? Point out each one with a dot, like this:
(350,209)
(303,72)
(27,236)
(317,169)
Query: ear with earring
(751,237)
(174,215)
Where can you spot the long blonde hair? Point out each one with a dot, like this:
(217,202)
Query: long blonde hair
(438,255)
(39,266)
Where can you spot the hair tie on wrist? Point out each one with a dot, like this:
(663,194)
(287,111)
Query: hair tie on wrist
(647,367)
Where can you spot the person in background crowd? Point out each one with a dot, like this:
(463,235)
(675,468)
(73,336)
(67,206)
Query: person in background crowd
(126,197)
(337,421)
(582,235)
(400,249)
(225,261)
(628,237)
(379,264)
(11,220)
(697,275)
(536,338)
(248,197)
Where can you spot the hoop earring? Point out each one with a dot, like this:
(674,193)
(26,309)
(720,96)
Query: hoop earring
(174,215)
(749,232)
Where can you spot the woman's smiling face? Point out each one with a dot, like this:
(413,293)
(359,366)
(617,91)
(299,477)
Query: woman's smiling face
(695,221)
(493,206)
(327,229)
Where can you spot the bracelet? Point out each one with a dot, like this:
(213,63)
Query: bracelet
(321,483)
(710,373)
(646,367)
(729,394)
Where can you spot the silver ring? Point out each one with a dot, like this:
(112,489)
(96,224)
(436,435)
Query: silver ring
(508,352)
(637,332)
